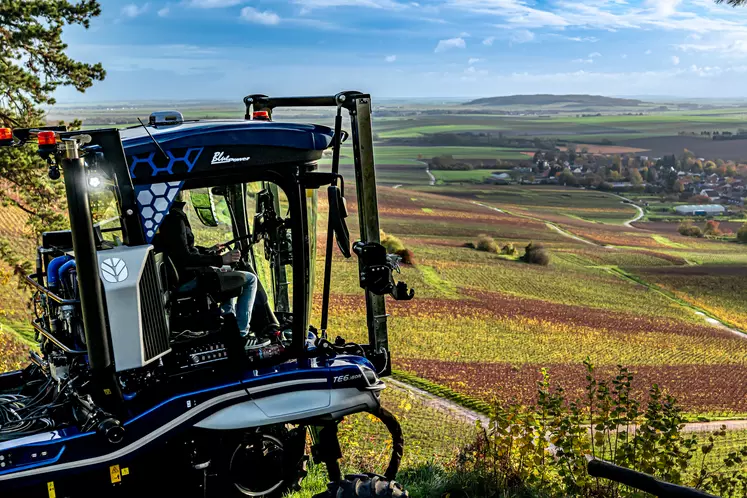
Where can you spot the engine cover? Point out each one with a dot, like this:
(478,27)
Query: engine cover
(134,296)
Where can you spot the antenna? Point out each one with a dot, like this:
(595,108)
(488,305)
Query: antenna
(153,138)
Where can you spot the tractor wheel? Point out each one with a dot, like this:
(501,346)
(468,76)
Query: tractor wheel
(364,486)
(266,465)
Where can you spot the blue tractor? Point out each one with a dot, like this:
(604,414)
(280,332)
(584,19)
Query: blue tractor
(144,385)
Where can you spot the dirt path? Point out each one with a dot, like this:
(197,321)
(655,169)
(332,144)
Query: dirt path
(550,225)
(641,214)
(439,403)
(472,416)
(556,228)
(432,178)
(489,207)
(710,318)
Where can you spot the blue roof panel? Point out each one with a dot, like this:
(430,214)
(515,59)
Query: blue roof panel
(226,133)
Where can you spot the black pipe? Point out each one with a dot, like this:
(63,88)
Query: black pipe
(641,481)
(398,440)
(89,284)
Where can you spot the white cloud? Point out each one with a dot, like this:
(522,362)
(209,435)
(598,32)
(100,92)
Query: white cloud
(309,5)
(647,52)
(705,71)
(664,8)
(594,54)
(610,15)
(675,60)
(131,10)
(390,58)
(212,4)
(444,45)
(624,56)
(589,39)
(488,41)
(583,61)
(522,36)
(464,34)
(473,60)
(250,14)
(163,12)
(694,36)
(729,45)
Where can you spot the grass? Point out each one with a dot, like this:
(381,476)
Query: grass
(470,176)
(666,242)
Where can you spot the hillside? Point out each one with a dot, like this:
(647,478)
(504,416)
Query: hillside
(549,99)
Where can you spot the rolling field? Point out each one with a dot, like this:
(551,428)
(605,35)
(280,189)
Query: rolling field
(484,326)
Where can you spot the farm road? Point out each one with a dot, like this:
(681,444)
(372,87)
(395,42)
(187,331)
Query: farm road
(549,224)
(640,212)
(472,416)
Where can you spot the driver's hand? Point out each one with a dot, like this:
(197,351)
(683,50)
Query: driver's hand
(217,248)
(231,257)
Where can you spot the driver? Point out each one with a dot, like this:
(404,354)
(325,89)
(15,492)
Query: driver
(176,239)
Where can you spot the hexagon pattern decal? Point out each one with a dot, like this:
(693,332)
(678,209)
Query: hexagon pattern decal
(154,164)
(154,202)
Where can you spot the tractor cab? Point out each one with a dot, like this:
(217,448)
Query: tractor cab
(174,319)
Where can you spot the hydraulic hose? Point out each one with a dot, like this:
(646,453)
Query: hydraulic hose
(52,269)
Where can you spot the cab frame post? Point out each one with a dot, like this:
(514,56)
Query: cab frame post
(368,211)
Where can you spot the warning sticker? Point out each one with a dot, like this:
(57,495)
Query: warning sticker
(50,490)
(115,474)
(125,471)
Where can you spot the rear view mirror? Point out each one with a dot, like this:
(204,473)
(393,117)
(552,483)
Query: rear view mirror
(204,206)
(338,211)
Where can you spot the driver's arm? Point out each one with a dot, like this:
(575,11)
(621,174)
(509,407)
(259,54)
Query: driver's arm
(174,234)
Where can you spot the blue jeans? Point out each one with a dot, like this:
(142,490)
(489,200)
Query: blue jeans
(242,306)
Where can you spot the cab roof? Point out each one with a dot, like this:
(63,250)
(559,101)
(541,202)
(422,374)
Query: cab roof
(207,133)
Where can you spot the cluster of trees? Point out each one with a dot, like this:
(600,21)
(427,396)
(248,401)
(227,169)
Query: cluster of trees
(712,229)
(448,163)
(601,171)
(33,64)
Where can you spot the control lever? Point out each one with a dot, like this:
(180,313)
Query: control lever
(376,268)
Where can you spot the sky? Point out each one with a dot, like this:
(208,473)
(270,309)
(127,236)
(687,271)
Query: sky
(225,49)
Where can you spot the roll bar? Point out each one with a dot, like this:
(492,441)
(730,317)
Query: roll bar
(359,107)
(641,481)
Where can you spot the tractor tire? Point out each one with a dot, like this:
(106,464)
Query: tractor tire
(364,486)
(292,473)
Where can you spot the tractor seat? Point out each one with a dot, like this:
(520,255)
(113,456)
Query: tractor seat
(221,286)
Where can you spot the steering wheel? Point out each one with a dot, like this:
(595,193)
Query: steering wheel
(227,245)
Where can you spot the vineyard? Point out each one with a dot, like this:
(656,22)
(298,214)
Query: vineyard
(484,325)
(512,319)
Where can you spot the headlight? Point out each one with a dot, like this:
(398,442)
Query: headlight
(370,376)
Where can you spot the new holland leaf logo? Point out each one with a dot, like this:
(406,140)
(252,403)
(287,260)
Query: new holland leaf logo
(114,270)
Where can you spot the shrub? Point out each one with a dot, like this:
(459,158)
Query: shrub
(487,244)
(712,228)
(391,243)
(536,254)
(687,229)
(395,246)
(509,250)
(742,233)
(544,448)
(407,256)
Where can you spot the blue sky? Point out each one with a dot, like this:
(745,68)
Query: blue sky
(224,49)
